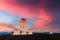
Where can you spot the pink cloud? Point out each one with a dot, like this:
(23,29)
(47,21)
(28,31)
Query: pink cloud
(25,11)
(5,27)
(16,10)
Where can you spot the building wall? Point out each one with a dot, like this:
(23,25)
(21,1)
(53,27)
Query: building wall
(30,31)
(16,32)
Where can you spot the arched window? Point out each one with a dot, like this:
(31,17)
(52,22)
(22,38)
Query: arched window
(27,32)
(20,31)
(12,32)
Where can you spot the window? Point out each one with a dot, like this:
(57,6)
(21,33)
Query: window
(27,32)
(20,31)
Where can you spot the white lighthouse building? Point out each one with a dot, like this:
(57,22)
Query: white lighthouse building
(23,30)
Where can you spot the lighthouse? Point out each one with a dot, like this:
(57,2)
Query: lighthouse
(23,29)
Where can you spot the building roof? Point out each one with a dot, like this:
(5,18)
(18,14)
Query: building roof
(23,19)
(16,29)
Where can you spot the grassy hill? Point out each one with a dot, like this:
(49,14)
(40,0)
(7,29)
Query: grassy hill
(31,37)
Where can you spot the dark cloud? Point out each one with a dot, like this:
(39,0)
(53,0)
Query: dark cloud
(53,3)
(29,2)
(55,12)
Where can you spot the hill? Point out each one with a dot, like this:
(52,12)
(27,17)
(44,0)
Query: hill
(31,37)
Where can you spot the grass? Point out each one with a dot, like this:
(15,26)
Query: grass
(31,37)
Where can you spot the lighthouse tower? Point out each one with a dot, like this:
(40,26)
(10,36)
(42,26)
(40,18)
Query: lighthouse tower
(24,27)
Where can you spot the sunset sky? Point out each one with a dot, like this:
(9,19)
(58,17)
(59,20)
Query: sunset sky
(42,15)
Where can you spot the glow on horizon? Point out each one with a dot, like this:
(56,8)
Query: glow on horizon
(5,28)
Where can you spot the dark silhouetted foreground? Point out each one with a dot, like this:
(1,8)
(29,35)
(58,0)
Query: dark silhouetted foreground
(31,37)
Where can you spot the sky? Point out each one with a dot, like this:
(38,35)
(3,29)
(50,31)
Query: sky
(42,15)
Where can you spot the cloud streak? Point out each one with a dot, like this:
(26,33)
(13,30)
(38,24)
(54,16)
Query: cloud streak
(5,27)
